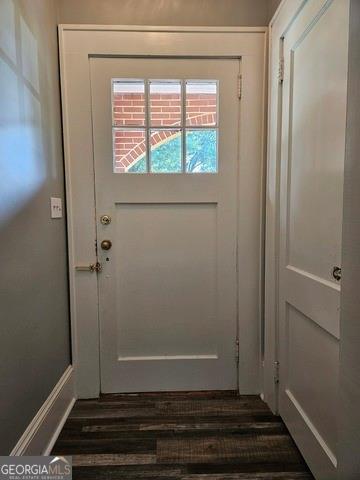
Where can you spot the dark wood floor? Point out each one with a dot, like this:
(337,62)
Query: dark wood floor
(187,436)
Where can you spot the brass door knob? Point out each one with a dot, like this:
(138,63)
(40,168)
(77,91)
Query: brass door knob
(106,244)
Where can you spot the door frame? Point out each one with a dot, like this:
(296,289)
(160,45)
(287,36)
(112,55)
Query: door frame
(77,44)
(281,21)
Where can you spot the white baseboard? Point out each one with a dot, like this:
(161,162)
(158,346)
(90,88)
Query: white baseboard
(43,430)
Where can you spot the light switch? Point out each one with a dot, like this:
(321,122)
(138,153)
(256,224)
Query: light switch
(56,207)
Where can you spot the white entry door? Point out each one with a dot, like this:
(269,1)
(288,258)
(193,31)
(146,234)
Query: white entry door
(312,163)
(166,145)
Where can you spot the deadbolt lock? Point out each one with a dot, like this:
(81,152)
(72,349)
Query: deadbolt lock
(105,219)
(106,244)
(93,267)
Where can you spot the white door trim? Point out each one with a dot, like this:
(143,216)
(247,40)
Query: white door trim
(281,21)
(77,44)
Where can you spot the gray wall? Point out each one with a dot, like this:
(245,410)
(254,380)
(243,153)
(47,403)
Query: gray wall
(166,12)
(349,438)
(34,327)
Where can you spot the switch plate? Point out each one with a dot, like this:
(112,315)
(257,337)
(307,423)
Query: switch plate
(56,207)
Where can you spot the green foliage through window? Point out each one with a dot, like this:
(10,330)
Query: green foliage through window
(201,151)
(201,154)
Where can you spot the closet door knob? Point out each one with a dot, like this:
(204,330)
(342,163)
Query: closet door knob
(336,273)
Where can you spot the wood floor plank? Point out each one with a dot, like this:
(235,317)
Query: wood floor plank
(211,407)
(112,459)
(112,412)
(249,468)
(132,472)
(70,446)
(227,449)
(206,394)
(188,428)
(252,476)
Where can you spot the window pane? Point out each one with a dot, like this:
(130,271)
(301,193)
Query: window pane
(201,103)
(165,103)
(166,146)
(128,103)
(129,151)
(201,151)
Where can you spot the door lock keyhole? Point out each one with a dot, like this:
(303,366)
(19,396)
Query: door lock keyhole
(105,219)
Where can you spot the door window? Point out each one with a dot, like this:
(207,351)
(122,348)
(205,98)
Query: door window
(165,126)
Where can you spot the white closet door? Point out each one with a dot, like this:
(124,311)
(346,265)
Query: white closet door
(312,163)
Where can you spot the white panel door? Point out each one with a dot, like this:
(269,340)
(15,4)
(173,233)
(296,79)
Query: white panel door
(165,145)
(312,162)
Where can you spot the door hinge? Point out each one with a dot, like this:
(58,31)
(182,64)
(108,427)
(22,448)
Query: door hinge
(239,87)
(276,372)
(281,70)
(237,351)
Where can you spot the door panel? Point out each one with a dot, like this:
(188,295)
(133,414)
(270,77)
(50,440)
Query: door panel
(313,356)
(168,290)
(166,238)
(312,163)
